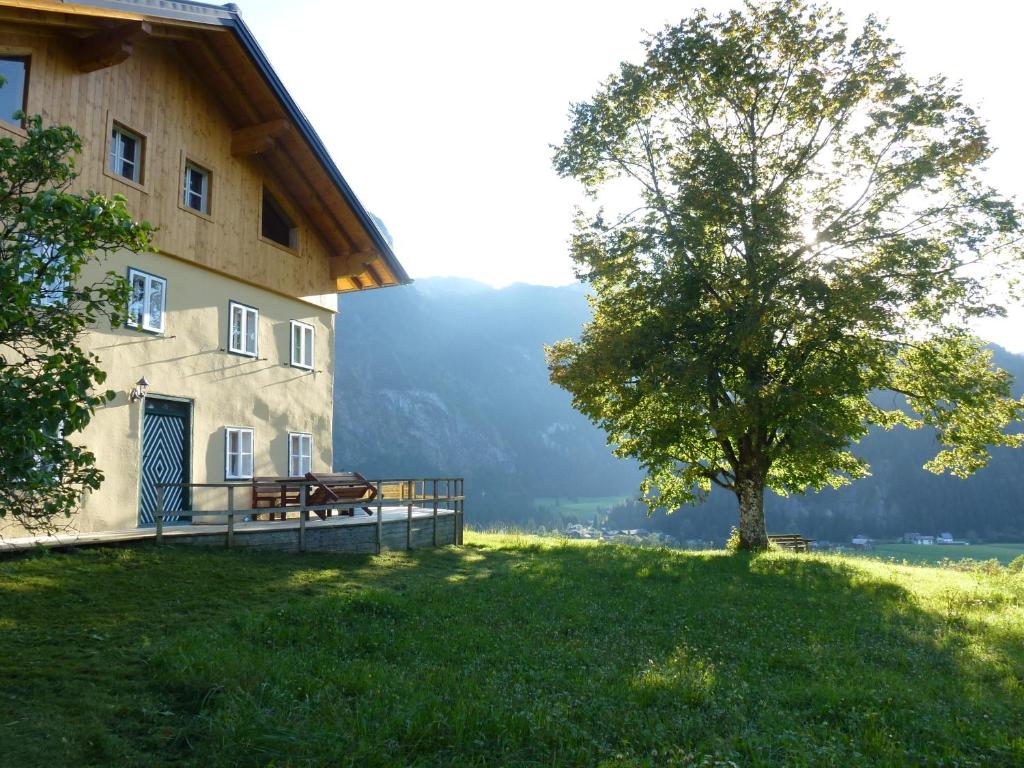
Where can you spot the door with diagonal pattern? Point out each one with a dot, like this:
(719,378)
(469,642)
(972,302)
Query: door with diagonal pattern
(166,430)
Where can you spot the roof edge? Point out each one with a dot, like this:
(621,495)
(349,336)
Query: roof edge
(311,136)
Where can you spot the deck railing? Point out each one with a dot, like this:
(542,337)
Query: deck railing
(438,494)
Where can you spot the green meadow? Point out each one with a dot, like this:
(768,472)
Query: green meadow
(508,651)
(916,553)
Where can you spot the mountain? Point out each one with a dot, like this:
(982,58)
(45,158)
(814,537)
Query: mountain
(447,377)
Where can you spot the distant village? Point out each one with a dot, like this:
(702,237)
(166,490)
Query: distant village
(860,541)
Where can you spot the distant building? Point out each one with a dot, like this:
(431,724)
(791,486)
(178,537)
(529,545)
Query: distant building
(918,538)
(860,541)
(944,538)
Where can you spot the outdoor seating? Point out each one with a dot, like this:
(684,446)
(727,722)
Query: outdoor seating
(343,487)
(322,489)
(793,542)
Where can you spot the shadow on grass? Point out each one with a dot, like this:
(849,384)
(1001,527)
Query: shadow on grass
(524,654)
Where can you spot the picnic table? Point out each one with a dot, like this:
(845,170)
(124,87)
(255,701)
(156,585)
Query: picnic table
(321,489)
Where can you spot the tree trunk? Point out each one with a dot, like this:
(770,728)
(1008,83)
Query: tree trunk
(750,492)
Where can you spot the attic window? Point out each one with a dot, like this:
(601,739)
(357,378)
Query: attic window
(275,224)
(125,153)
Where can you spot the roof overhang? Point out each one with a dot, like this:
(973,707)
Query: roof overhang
(268,121)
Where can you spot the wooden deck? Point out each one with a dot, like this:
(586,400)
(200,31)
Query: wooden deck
(362,533)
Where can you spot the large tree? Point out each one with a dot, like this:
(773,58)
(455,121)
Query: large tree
(48,383)
(782,222)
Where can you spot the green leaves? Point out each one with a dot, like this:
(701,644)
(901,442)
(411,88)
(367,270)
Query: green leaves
(783,222)
(48,234)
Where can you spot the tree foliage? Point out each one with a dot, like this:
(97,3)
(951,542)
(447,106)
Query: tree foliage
(783,221)
(47,382)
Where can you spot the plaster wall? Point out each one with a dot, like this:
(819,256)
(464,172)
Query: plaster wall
(190,361)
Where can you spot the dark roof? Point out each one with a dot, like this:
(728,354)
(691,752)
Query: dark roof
(229,15)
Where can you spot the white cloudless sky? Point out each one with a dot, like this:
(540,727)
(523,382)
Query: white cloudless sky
(441,115)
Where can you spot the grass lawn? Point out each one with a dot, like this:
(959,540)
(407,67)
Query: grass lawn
(582,507)
(916,553)
(509,651)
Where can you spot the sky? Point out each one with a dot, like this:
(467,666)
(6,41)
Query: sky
(441,115)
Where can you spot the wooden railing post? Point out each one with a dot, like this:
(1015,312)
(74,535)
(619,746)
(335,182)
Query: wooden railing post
(159,514)
(231,516)
(380,517)
(408,518)
(460,506)
(303,516)
(435,511)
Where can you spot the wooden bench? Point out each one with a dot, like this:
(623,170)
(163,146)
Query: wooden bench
(322,489)
(793,542)
(275,492)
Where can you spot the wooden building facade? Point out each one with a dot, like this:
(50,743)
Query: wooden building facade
(232,319)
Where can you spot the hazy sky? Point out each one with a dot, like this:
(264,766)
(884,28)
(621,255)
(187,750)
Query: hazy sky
(441,114)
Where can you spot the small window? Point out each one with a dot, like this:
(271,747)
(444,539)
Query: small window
(300,454)
(126,153)
(302,345)
(14,91)
(275,223)
(237,453)
(242,333)
(46,273)
(146,302)
(196,192)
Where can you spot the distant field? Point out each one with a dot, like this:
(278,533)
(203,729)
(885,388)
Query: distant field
(916,553)
(581,506)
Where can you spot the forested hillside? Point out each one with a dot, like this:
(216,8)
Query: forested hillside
(448,377)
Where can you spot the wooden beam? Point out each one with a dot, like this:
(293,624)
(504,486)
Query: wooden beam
(349,265)
(111,46)
(374,275)
(259,138)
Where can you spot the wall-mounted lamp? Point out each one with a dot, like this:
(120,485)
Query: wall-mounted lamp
(139,390)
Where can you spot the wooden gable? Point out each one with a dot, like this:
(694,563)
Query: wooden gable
(196,86)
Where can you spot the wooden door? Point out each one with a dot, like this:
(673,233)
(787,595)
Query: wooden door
(166,436)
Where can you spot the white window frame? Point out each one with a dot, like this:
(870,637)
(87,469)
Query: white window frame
(241,433)
(250,317)
(149,284)
(116,160)
(52,290)
(304,349)
(204,189)
(300,462)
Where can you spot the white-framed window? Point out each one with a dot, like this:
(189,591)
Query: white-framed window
(300,454)
(196,188)
(302,345)
(146,302)
(243,326)
(237,453)
(54,285)
(126,153)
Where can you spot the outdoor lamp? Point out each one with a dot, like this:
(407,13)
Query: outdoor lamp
(139,390)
